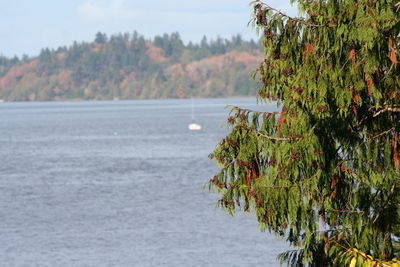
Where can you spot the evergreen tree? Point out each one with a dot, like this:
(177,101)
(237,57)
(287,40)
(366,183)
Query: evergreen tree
(204,42)
(218,46)
(45,55)
(101,38)
(176,45)
(125,65)
(324,171)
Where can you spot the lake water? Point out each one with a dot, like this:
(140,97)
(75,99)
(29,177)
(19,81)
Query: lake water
(119,184)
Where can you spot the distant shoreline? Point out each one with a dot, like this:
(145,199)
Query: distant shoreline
(116,100)
(130,67)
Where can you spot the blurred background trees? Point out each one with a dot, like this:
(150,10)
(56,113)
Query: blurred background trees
(126,66)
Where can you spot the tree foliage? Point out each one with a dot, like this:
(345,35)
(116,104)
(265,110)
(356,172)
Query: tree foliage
(324,171)
(126,66)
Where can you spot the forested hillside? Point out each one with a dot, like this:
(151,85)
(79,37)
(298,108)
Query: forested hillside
(127,66)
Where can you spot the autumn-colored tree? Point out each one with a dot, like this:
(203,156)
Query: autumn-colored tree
(125,66)
(324,171)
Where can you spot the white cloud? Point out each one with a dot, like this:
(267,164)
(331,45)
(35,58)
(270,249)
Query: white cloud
(101,10)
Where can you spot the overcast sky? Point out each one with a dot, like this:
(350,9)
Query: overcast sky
(26,26)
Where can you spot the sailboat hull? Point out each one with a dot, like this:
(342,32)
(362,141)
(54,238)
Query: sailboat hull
(194,127)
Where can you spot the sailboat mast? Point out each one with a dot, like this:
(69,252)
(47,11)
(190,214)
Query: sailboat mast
(193,126)
(192,103)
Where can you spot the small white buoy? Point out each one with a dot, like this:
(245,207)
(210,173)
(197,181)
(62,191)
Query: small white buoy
(194,127)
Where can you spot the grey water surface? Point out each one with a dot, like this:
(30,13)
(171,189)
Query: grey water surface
(119,183)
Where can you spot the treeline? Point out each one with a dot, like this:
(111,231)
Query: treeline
(127,66)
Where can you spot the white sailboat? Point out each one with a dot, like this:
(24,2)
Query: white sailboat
(194,126)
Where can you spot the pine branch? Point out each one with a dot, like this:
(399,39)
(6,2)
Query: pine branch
(299,20)
(383,133)
(255,111)
(273,138)
(392,191)
(276,187)
(346,211)
(391,108)
(276,138)
(394,108)
(366,258)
